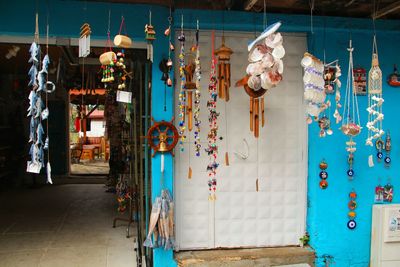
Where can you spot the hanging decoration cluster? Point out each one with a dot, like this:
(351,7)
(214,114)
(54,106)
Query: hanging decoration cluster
(264,72)
(197,95)
(182,97)
(212,149)
(375,99)
(332,86)
(38,111)
(351,118)
(107,60)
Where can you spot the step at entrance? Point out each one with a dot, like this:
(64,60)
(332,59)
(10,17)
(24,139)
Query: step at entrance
(265,257)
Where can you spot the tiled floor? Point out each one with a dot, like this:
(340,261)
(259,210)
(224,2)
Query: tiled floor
(62,226)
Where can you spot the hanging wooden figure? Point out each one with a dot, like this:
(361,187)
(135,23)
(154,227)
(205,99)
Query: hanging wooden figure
(351,126)
(84,40)
(223,54)
(150,36)
(263,73)
(375,99)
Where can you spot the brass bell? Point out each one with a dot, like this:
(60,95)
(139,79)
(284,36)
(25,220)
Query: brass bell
(163,142)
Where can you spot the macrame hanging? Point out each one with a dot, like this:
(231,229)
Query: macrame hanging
(150,36)
(263,73)
(223,54)
(197,95)
(212,149)
(182,95)
(351,118)
(375,99)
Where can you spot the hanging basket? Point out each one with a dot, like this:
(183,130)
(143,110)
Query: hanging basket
(351,129)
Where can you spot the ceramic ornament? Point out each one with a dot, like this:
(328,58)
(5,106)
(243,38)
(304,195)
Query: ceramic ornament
(150,36)
(375,99)
(212,149)
(394,78)
(263,73)
(388,193)
(352,205)
(351,118)
(84,40)
(223,54)
(323,174)
(197,96)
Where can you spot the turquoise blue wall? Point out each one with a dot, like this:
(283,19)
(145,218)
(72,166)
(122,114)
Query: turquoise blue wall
(327,210)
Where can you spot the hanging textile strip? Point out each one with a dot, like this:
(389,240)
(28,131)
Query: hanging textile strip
(375,99)
(197,96)
(212,149)
(182,98)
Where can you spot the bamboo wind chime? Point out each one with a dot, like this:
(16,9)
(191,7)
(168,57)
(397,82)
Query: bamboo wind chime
(224,70)
(375,99)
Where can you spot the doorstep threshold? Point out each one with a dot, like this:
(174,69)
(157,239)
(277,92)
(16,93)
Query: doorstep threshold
(241,257)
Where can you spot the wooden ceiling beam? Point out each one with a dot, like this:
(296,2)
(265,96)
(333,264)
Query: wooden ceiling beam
(386,10)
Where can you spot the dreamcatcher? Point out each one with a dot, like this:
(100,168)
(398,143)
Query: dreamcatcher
(212,149)
(263,73)
(351,118)
(375,99)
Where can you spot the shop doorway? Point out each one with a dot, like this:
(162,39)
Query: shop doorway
(261,195)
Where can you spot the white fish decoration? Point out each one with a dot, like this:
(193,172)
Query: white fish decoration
(269,30)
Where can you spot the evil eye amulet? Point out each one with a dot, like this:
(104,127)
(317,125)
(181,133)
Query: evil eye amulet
(323,175)
(388,160)
(350,173)
(379,155)
(351,224)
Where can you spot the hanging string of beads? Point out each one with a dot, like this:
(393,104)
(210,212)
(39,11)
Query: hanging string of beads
(182,97)
(197,96)
(212,149)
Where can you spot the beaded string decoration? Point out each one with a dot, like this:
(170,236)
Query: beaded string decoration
(352,205)
(212,149)
(197,95)
(182,97)
(351,117)
(375,99)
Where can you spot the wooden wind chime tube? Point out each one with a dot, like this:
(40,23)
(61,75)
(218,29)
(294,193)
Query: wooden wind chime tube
(189,109)
(256,110)
(251,114)
(227,80)
(262,112)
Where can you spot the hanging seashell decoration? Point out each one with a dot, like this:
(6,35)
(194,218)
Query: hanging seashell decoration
(263,73)
(351,118)
(224,70)
(375,99)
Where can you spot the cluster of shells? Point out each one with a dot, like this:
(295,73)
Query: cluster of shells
(266,65)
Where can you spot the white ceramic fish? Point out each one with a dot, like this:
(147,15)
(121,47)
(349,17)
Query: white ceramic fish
(269,30)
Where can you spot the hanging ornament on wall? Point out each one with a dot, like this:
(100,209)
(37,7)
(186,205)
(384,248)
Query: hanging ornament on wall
(263,73)
(150,36)
(352,205)
(197,96)
(323,174)
(379,192)
(388,148)
(394,78)
(212,149)
(388,193)
(84,40)
(332,86)
(375,99)
(351,117)
(360,81)
(182,96)
(380,145)
(223,54)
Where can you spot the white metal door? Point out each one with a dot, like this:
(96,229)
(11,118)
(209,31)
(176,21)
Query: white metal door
(241,216)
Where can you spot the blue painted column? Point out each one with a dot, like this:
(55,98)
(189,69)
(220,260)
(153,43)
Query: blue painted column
(161,257)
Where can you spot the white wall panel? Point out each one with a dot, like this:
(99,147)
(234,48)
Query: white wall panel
(241,216)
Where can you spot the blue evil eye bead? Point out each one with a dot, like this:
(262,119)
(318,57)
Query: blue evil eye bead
(323,175)
(350,173)
(379,155)
(388,160)
(351,224)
